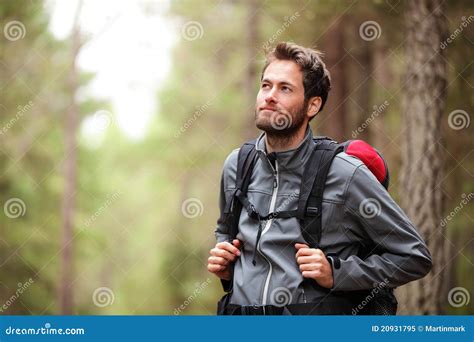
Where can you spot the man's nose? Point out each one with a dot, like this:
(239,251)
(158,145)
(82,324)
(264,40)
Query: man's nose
(270,96)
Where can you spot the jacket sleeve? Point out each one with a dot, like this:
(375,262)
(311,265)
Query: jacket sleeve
(227,186)
(222,229)
(402,254)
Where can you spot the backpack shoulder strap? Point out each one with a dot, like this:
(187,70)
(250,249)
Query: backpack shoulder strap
(312,188)
(245,162)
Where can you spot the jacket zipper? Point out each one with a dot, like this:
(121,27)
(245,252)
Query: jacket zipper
(267,226)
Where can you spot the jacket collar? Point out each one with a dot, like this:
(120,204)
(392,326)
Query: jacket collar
(289,159)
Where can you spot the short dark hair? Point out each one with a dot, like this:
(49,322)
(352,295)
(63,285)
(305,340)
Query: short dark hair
(316,78)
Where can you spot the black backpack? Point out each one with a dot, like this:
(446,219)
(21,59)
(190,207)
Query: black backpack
(309,211)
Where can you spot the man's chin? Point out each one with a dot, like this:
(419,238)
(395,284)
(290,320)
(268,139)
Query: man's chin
(264,120)
(267,127)
(264,125)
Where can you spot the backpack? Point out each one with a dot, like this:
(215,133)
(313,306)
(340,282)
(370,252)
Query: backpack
(309,210)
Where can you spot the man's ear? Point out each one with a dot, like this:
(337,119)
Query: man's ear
(314,105)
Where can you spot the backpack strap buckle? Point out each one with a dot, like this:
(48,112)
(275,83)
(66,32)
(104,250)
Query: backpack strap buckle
(313,211)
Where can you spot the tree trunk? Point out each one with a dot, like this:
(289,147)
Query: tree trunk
(384,78)
(70,170)
(334,116)
(422,163)
(252,41)
(363,108)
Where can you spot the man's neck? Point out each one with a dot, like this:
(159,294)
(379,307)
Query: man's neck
(275,143)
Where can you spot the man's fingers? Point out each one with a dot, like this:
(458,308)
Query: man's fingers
(223,254)
(310,267)
(236,243)
(228,247)
(218,261)
(309,251)
(304,251)
(308,259)
(301,245)
(215,268)
(311,274)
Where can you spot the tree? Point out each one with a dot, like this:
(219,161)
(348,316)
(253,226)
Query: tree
(251,43)
(70,171)
(335,116)
(422,158)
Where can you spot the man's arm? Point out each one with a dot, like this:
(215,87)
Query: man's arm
(225,245)
(229,173)
(403,255)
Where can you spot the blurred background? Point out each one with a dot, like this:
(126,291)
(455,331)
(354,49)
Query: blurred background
(116,118)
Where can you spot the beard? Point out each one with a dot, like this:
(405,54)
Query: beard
(281,124)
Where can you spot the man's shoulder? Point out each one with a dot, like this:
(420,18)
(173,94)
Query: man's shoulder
(347,169)
(340,174)
(229,172)
(344,165)
(230,162)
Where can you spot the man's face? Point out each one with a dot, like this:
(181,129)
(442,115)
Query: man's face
(280,108)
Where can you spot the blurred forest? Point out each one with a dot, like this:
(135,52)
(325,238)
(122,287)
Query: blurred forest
(125,227)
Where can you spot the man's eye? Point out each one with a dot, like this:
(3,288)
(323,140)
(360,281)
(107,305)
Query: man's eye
(286,89)
(265,86)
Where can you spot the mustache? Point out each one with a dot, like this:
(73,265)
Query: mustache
(268,108)
(275,109)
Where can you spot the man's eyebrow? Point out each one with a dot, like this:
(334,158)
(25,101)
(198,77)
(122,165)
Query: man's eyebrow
(282,82)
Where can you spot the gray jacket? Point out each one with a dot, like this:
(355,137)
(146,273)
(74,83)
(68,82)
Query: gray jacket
(357,210)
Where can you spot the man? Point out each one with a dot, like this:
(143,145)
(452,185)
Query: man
(274,266)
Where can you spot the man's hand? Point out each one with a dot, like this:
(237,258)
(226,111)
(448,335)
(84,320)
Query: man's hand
(314,265)
(221,258)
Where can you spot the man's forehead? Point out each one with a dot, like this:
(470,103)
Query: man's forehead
(284,71)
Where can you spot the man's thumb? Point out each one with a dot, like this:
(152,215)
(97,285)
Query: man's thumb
(236,243)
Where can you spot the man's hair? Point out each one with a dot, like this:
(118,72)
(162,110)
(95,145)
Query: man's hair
(316,78)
